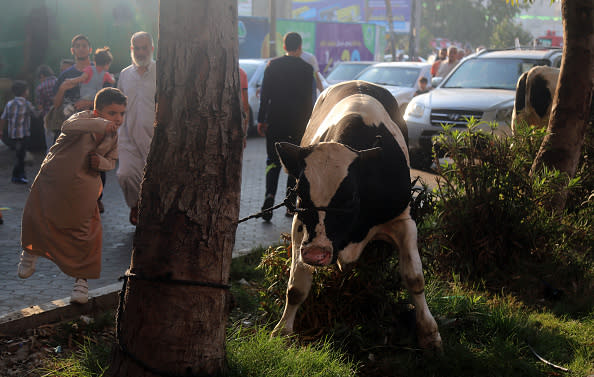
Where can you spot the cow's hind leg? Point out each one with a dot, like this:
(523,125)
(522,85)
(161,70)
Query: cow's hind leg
(300,280)
(411,270)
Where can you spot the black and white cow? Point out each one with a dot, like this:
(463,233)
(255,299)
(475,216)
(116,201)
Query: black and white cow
(353,187)
(534,96)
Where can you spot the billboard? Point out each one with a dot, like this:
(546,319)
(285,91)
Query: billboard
(329,10)
(252,31)
(355,11)
(330,42)
(344,42)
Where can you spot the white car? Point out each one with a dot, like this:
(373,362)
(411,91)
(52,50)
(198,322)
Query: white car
(344,71)
(482,86)
(254,68)
(399,78)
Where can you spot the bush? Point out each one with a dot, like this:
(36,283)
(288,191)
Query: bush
(487,218)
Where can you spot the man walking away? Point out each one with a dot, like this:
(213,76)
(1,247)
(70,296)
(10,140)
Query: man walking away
(285,107)
(138,82)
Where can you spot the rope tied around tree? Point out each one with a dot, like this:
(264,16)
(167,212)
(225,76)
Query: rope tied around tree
(159,279)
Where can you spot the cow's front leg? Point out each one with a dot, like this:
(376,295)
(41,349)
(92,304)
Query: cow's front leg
(299,283)
(411,270)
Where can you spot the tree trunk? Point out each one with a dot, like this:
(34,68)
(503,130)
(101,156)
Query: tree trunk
(566,131)
(172,318)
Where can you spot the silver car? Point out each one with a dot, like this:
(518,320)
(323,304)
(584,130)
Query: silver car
(399,78)
(344,71)
(482,86)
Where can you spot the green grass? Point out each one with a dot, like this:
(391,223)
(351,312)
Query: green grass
(90,360)
(483,335)
(252,352)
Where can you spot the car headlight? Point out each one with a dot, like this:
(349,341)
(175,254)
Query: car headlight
(504,115)
(415,109)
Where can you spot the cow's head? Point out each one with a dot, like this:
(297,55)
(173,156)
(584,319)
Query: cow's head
(328,191)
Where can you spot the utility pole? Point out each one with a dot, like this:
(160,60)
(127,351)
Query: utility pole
(391,29)
(412,36)
(272,28)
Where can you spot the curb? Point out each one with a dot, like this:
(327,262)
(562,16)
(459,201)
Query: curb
(100,300)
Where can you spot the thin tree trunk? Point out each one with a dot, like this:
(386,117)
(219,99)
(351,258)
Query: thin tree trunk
(570,113)
(189,200)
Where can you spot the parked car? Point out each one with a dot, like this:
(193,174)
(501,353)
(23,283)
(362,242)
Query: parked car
(482,86)
(400,78)
(347,70)
(254,68)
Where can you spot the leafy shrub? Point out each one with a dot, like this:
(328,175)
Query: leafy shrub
(360,308)
(487,217)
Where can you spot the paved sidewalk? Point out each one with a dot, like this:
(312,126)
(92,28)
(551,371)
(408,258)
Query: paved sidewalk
(49,283)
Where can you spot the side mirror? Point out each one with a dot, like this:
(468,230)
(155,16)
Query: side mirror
(435,81)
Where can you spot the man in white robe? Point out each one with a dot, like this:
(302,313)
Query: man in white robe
(138,83)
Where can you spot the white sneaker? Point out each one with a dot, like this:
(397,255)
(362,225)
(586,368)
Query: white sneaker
(80,291)
(26,265)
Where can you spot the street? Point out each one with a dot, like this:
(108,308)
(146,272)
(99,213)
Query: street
(49,283)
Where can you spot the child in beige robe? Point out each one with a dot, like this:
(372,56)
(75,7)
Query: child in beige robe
(61,219)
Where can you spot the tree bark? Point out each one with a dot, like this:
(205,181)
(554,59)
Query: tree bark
(562,146)
(189,200)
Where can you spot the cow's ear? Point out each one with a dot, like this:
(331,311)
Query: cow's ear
(291,157)
(370,154)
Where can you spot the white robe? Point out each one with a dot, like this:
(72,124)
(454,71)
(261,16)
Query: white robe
(136,132)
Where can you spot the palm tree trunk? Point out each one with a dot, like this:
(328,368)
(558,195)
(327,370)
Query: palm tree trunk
(570,113)
(172,318)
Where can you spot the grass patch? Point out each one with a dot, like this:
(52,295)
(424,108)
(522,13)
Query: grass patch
(252,352)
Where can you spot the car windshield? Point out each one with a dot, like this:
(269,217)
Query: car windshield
(489,73)
(249,68)
(346,71)
(393,76)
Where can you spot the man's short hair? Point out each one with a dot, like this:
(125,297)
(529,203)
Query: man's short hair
(423,79)
(44,70)
(141,34)
(107,96)
(78,37)
(19,87)
(103,56)
(292,41)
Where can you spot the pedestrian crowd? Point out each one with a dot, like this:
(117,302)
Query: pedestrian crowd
(91,121)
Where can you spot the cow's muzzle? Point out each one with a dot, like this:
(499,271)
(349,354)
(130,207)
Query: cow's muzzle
(316,255)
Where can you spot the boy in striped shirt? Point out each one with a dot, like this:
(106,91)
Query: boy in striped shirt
(17,113)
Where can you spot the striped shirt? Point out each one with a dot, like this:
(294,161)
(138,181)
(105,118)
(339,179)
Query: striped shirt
(44,94)
(18,113)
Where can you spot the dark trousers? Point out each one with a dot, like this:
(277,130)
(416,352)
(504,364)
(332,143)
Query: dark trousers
(19,167)
(273,167)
